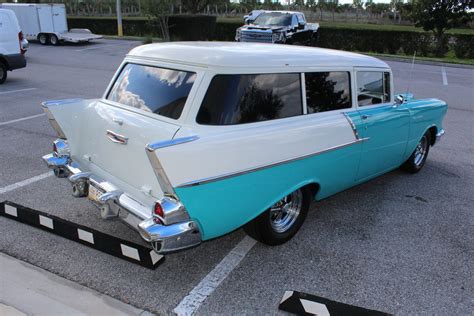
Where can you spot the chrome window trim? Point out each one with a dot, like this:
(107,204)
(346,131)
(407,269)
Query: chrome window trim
(258,168)
(303,93)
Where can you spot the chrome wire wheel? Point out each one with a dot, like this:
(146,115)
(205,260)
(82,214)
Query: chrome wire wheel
(286,211)
(421,151)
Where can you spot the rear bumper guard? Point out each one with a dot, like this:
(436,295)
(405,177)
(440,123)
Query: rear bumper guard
(114,203)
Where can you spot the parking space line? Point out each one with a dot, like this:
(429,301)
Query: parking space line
(22,119)
(206,287)
(19,90)
(445,78)
(26,182)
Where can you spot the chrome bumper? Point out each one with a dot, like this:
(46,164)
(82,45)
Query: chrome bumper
(439,135)
(113,203)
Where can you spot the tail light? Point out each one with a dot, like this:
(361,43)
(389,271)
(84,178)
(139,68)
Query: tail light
(158,210)
(20,40)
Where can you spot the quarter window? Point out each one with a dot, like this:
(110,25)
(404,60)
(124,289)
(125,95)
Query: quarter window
(328,91)
(238,99)
(373,87)
(158,90)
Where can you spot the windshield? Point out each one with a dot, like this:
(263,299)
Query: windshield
(273,19)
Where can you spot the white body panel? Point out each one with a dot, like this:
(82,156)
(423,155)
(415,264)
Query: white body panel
(9,29)
(45,17)
(59,18)
(225,150)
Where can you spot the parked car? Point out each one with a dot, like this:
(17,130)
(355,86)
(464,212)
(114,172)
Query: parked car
(283,27)
(12,44)
(47,23)
(191,141)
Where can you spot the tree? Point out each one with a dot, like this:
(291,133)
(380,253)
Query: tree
(358,5)
(440,15)
(158,13)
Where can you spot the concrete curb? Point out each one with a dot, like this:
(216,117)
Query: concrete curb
(27,289)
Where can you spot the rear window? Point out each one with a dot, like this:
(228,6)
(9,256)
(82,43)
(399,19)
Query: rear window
(238,99)
(158,90)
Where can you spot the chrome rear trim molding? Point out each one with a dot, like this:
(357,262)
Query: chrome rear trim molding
(173,142)
(242,172)
(353,126)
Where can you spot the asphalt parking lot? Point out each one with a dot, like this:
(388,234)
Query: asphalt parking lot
(401,243)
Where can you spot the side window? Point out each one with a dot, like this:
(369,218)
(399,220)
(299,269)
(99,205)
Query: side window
(158,90)
(238,99)
(327,91)
(373,87)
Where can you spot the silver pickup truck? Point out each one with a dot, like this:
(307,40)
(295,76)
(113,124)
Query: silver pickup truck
(282,27)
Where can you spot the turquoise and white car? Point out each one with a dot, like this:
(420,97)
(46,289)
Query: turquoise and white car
(191,141)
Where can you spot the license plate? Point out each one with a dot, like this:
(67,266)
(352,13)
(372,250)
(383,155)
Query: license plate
(94,192)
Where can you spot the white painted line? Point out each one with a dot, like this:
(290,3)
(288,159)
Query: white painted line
(46,221)
(130,252)
(155,257)
(445,78)
(19,90)
(206,287)
(22,119)
(86,236)
(10,210)
(286,296)
(26,182)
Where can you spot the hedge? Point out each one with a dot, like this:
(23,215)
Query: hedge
(185,27)
(182,27)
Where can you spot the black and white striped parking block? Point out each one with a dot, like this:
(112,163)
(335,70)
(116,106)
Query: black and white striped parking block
(111,245)
(307,304)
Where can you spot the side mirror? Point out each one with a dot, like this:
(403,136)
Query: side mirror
(399,99)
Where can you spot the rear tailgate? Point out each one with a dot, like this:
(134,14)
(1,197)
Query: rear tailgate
(111,141)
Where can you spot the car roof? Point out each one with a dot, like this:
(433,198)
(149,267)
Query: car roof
(245,55)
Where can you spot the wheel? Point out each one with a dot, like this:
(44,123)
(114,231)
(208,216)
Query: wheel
(53,39)
(418,157)
(283,220)
(43,39)
(3,72)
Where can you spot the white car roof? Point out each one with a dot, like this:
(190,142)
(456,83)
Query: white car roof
(245,55)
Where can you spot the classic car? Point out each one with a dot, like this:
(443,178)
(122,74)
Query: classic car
(191,141)
(280,27)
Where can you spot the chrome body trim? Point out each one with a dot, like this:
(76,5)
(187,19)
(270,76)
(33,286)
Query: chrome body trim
(62,148)
(173,142)
(52,121)
(173,233)
(353,126)
(116,138)
(238,173)
(166,239)
(439,135)
(160,173)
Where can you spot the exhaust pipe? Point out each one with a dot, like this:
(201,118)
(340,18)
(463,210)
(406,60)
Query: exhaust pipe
(80,188)
(60,172)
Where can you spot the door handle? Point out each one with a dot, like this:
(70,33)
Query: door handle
(117,138)
(365,116)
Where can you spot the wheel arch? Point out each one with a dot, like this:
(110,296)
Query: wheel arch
(5,62)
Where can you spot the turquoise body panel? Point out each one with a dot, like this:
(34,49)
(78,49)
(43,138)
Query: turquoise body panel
(386,127)
(222,206)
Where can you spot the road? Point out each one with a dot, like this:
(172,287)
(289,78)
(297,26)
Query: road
(401,243)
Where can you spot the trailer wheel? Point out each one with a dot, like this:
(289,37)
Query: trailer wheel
(43,39)
(53,39)
(3,72)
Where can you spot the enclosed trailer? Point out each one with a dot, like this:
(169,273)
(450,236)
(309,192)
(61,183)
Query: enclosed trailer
(47,23)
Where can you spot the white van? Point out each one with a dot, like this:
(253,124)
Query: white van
(12,44)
